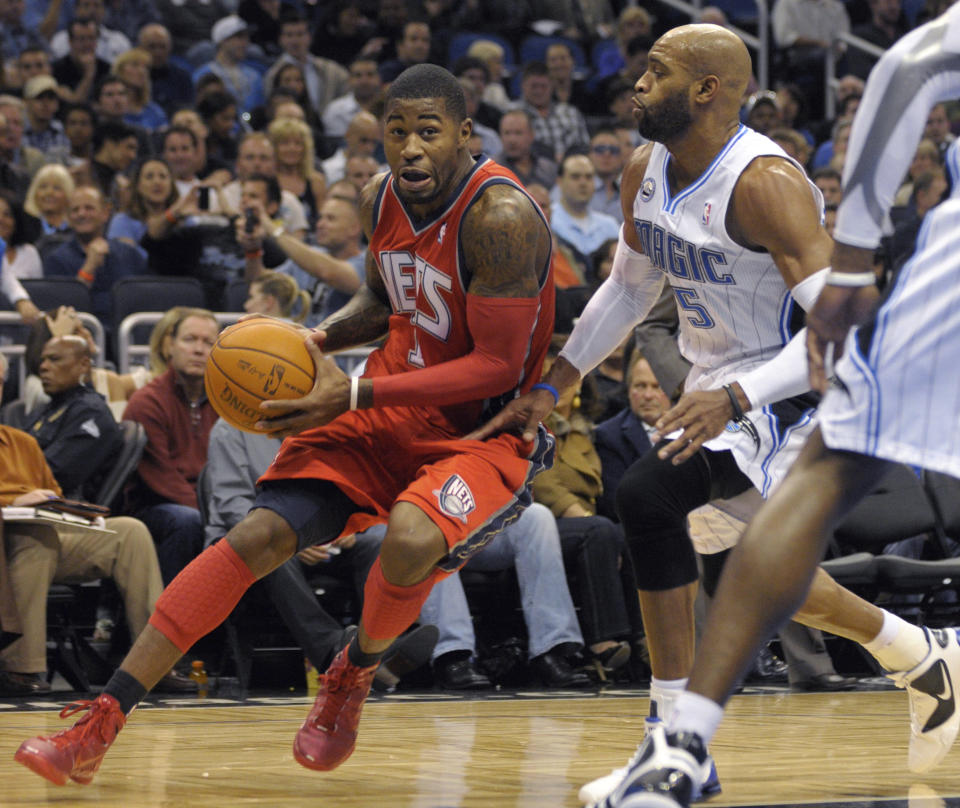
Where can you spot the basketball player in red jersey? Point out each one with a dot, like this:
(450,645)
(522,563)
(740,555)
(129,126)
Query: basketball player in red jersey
(458,280)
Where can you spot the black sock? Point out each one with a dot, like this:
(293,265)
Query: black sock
(360,659)
(125,689)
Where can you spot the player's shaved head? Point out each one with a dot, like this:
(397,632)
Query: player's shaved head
(710,50)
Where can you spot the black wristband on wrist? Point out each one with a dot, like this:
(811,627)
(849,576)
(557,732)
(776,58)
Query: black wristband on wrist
(737,410)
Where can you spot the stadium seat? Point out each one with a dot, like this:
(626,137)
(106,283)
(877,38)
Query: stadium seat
(134,439)
(534,49)
(48,293)
(905,505)
(235,295)
(154,293)
(739,12)
(603,56)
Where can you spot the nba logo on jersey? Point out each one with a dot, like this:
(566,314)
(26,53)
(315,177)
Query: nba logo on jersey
(442,233)
(455,498)
(647,189)
(705,218)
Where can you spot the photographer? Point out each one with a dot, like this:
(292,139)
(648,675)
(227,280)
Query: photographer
(333,271)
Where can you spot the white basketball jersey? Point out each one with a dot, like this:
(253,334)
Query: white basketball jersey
(733,303)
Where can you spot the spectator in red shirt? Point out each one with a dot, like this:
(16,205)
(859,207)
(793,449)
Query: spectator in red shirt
(177,417)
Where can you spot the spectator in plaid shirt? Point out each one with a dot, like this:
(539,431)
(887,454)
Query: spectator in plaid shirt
(42,130)
(556,125)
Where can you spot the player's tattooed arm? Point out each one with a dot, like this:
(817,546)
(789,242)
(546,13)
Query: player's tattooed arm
(505,244)
(366,315)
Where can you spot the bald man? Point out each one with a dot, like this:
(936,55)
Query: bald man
(707,198)
(76,430)
(362,138)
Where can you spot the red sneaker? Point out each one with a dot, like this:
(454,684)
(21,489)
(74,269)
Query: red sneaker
(329,734)
(75,753)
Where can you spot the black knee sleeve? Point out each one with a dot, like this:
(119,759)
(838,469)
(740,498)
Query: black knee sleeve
(653,500)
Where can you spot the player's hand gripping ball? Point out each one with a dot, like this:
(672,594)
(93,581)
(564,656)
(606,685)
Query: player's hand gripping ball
(253,361)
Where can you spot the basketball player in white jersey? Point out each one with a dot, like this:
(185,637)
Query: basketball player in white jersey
(895,399)
(733,225)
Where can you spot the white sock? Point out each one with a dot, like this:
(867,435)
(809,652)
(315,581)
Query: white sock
(899,646)
(663,692)
(695,713)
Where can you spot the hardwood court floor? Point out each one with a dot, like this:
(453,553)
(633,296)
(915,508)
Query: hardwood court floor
(428,751)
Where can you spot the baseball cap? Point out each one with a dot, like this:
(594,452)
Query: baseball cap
(226,27)
(39,85)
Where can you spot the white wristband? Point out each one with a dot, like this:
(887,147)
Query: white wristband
(354,391)
(851,279)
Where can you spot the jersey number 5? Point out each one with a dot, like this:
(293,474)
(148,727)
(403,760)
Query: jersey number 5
(698,316)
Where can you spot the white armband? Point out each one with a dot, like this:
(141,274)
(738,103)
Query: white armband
(621,302)
(808,290)
(786,374)
(783,376)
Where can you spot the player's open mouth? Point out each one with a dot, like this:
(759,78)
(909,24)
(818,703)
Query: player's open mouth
(413,178)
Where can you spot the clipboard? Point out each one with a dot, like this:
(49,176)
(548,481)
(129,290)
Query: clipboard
(42,514)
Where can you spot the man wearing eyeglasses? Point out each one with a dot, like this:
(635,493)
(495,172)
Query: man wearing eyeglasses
(608,158)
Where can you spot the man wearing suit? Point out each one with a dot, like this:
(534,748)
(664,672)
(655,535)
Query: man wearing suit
(625,437)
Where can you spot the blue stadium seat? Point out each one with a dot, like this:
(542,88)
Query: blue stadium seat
(534,49)
(48,293)
(739,12)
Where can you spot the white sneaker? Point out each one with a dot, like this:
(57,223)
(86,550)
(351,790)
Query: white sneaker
(933,690)
(666,774)
(603,787)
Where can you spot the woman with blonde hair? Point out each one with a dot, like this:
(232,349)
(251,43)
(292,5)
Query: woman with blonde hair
(276,295)
(48,198)
(133,67)
(293,143)
(492,55)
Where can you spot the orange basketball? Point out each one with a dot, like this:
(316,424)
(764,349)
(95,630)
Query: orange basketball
(253,361)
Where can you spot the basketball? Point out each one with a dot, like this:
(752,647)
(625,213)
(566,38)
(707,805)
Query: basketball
(253,361)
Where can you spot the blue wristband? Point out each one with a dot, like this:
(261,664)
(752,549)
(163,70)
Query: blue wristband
(549,388)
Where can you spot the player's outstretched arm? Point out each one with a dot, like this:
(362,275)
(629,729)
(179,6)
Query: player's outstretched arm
(622,301)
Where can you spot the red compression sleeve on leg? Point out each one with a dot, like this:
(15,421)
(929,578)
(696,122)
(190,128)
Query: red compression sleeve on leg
(202,596)
(388,609)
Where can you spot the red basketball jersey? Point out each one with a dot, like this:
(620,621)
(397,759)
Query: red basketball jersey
(422,266)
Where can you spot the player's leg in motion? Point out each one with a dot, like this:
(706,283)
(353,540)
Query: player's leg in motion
(653,500)
(195,602)
(765,581)
(825,486)
(397,586)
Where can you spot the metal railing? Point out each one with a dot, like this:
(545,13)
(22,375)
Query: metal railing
(131,353)
(15,350)
(830,68)
(760,44)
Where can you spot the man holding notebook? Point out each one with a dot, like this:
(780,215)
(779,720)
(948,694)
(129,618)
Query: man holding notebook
(39,554)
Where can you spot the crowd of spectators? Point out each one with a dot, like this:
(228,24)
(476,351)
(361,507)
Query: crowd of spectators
(228,141)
